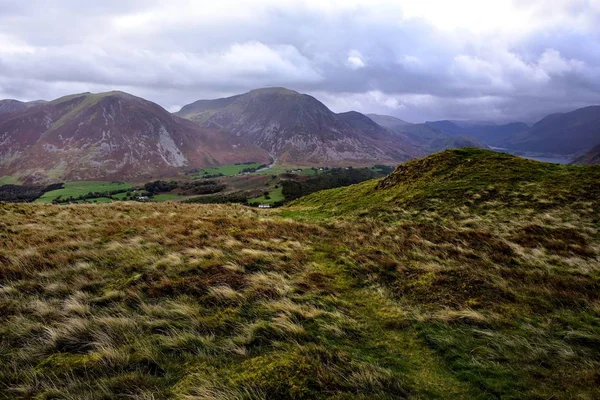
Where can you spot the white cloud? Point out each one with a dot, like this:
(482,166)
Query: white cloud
(419,59)
(552,63)
(354,60)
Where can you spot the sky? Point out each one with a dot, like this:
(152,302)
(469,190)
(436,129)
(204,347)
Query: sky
(417,60)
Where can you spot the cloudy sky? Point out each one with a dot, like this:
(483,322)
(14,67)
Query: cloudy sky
(418,60)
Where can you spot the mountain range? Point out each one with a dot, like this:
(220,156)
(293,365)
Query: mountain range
(119,136)
(426,137)
(298,129)
(11,105)
(109,136)
(490,133)
(566,134)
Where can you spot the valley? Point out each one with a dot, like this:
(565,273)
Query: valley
(251,183)
(300,200)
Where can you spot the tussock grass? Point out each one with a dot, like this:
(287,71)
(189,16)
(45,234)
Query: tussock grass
(483,287)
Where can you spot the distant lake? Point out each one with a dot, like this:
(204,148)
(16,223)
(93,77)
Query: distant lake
(549,158)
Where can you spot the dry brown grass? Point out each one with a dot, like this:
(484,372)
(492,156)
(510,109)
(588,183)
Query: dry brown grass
(215,301)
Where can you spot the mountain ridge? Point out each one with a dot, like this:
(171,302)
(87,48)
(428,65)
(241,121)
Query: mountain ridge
(299,129)
(112,135)
(561,133)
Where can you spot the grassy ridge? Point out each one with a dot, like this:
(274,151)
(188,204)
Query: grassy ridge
(487,290)
(466,180)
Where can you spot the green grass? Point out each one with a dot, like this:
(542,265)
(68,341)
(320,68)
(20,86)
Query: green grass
(9,180)
(276,170)
(449,181)
(464,275)
(81,188)
(274,194)
(226,170)
(165,197)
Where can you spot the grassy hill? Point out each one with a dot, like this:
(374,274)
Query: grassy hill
(467,274)
(462,183)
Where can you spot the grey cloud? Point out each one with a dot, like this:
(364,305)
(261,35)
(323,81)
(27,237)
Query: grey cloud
(369,58)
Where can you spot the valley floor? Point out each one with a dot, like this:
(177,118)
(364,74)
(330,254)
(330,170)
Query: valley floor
(152,301)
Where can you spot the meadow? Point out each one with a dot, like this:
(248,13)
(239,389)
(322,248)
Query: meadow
(225,170)
(463,275)
(275,195)
(80,188)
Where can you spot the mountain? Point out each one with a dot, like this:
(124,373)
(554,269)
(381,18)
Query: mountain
(201,110)
(298,129)
(591,157)
(388,121)
(365,124)
(423,136)
(109,136)
(566,133)
(486,132)
(10,105)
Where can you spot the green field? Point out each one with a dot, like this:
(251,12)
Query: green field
(9,180)
(164,197)
(276,170)
(275,196)
(81,188)
(226,170)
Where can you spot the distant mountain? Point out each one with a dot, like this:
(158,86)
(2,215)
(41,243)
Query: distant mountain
(201,110)
(591,157)
(298,129)
(109,136)
(486,132)
(364,124)
(567,133)
(388,121)
(423,136)
(10,105)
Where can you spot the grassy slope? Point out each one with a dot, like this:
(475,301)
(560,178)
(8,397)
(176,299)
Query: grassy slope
(495,259)
(456,181)
(80,188)
(485,287)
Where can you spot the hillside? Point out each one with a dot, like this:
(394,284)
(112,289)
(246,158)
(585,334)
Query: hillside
(465,274)
(298,129)
(489,133)
(591,157)
(109,136)
(449,181)
(425,137)
(567,133)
